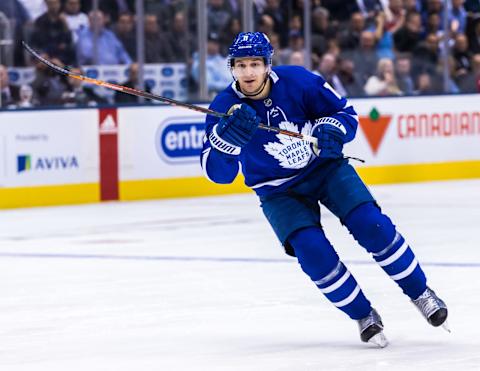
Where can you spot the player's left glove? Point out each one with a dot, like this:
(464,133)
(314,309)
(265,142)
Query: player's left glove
(331,135)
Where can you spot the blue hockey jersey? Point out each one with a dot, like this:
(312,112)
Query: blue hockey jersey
(271,161)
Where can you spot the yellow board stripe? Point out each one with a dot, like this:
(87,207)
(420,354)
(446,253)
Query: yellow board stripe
(199,186)
(180,187)
(420,172)
(49,195)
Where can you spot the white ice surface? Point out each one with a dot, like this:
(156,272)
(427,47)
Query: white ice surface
(202,284)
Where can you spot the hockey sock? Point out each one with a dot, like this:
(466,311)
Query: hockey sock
(320,262)
(377,234)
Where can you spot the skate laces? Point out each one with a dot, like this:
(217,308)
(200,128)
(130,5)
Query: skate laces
(373,318)
(428,303)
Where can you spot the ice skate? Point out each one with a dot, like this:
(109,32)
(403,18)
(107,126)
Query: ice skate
(432,308)
(371,329)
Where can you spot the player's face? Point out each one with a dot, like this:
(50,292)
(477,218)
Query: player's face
(250,73)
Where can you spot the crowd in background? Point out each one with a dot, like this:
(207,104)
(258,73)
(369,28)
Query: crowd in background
(362,47)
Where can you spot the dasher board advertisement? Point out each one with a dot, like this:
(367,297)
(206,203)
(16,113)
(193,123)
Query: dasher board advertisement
(49,147)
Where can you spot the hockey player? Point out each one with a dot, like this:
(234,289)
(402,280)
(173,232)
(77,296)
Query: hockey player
(291,178)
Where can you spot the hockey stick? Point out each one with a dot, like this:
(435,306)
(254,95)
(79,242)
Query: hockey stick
(144,94)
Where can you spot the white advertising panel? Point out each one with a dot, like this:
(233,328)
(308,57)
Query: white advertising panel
(49,147)
(159,142)
(417,130)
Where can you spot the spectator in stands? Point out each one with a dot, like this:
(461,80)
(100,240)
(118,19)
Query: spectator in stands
(278,14)
(433,25)
(25,97)
(218,75)
(322,30)
(470,82)
(113,8)
(349,38)
(48,86)
(365,57)
(108,49)
(125,31)
(349,79)
(52,36)
(234,27)
(179,40)
(407,38)
(295,25)
(266,24)
(76,19)
(297,59)
(9,93)
(461,55)
(424,85)
(218,16)
(328,70)
(296,43)
(473,35)
(412,6)
(403,74)
(457,17)
(16,12)
(132,82)
(383,83)
(275,41)
(78,94)
(157,50)
(426,55)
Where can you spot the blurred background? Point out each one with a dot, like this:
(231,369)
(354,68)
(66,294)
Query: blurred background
(178,48)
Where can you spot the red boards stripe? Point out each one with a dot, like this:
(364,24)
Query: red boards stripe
(108,132)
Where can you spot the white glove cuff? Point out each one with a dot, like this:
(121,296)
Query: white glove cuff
(221,145)
(329,121)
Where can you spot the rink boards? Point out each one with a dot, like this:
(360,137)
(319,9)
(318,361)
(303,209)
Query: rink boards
(52,157)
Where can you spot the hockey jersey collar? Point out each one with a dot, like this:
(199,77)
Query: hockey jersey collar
(273,76)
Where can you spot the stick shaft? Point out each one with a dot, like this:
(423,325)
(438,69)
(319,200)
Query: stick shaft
(144,94)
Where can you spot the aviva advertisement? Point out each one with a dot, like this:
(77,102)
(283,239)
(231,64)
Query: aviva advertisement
(46,163)
(49,148)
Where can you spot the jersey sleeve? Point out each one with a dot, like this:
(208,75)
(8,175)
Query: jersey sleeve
(218,167)
(324,103)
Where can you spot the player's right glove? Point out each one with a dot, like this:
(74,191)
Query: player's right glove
(331,136)
(233,132)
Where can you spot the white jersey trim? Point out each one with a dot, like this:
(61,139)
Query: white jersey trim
(205,154)
(274,183)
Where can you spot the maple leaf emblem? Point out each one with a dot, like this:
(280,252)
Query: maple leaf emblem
(291,153)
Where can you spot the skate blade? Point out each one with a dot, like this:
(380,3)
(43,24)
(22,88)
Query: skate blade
(446,327)
(379,340)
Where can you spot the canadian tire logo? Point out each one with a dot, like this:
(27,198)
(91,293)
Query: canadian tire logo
(374,127)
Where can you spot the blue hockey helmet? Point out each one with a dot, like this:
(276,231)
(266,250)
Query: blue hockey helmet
(250,44)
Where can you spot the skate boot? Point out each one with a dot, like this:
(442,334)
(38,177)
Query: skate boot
(371,329)
(432,308)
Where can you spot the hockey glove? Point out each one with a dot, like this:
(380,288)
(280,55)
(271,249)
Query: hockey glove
(331,136)
(233,132)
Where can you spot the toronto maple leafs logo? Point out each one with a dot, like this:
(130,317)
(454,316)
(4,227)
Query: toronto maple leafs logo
(291,153)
